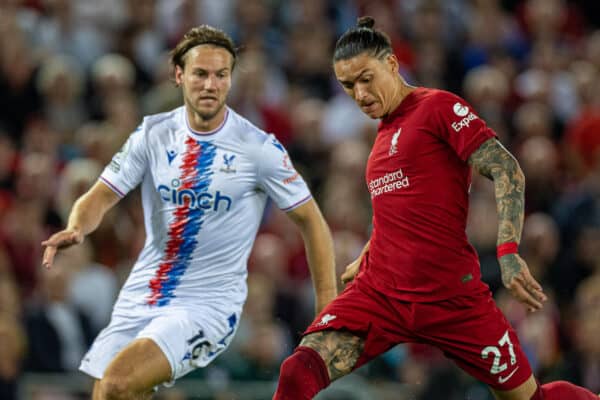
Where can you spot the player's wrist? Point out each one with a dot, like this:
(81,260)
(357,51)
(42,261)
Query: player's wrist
(506,249)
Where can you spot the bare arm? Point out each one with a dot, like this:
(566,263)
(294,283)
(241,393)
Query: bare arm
(86,215)
(319,251)
(494,162)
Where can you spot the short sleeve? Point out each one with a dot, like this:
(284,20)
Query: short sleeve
(127,167)
(455,122)
(279,178)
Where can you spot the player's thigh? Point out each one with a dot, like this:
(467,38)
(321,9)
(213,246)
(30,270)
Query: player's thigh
(357,326)
(340,350)
(140,366)
(474,333)
(522,392)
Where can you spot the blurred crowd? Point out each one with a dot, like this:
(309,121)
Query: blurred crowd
(76,77)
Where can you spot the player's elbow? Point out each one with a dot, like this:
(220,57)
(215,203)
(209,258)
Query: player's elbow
(305,215)
(510,173)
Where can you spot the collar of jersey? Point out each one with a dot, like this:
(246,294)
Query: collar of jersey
(207,133)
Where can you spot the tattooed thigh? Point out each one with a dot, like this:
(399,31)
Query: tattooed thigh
(340,350)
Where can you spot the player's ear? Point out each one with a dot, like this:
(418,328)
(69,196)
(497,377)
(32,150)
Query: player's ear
(392,63)
(178,75)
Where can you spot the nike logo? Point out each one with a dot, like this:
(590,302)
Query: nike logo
(502,380)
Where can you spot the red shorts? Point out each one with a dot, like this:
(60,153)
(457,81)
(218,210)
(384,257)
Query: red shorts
(470,330)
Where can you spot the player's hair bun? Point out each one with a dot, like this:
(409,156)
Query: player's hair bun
(365,22)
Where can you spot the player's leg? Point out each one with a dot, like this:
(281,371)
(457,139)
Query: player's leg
(134,372)
(357,326)
(475,334)
(526,391)
(550,391)
(321,358)
(96,390)
(119,334)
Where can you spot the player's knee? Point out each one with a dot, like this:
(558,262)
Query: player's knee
(289,369)
(303,369)
(116,388)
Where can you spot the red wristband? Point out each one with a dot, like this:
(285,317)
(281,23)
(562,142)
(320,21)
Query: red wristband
(507,248)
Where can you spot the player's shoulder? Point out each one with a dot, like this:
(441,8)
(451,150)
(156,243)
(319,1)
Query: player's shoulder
(437,97)
(169,119)
(246,132)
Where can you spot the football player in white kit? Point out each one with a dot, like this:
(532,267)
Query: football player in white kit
(205,175)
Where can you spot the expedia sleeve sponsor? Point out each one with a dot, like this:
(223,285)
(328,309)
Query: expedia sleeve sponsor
(279,178)
(458,124)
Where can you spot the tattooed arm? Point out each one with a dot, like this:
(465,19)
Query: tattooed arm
(494,162)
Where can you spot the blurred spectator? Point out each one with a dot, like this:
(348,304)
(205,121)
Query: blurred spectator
(259,93)
(59,333)
(539,160)
(61,31)
(540,244)
(262,341)
(20,98)
(587,331)
(307,149)
(270,259)
(308,61)
(12,350)
(93,287)
(60,82)
(76,76)
(29,219)
(487,89)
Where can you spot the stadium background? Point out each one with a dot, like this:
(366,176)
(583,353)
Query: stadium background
(77,76)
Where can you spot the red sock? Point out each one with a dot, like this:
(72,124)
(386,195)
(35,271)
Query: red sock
(561,390)
(302,375)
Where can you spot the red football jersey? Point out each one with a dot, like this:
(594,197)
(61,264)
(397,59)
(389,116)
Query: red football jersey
(419,178)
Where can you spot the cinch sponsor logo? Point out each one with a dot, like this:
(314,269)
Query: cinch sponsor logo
(465,122)
(192,199)
(388,183)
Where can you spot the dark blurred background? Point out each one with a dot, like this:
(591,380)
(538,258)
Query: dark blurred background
(76,77)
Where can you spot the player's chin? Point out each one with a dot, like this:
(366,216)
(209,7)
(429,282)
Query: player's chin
(373,111)
(208,112)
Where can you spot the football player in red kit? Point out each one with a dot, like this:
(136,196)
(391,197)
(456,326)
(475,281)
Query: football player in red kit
(418,278)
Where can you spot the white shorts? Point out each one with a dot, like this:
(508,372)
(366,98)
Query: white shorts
(189,339)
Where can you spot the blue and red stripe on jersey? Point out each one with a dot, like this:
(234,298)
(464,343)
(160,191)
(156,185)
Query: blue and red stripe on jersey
(195,175)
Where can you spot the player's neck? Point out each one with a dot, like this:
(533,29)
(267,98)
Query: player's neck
(402,91)
(200,124)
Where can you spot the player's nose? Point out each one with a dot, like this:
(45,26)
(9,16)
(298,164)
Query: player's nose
(360,94)
(210,83)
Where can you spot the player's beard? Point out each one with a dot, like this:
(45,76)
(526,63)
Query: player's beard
(208,114)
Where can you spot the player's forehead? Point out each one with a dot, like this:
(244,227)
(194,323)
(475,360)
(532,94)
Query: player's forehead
(349,70)
(208,57)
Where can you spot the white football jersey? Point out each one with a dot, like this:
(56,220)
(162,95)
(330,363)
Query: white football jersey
(203,197)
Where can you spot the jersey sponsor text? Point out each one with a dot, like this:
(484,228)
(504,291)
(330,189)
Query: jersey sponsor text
(387,183)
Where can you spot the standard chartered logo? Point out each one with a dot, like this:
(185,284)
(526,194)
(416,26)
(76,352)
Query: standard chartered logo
(388,183)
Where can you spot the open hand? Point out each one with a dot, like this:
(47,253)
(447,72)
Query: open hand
(518,280)
(60,240)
